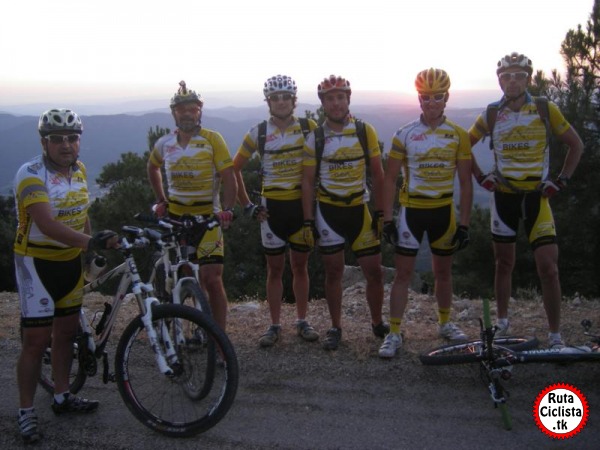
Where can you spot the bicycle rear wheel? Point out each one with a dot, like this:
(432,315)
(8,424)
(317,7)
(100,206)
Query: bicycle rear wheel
(192,295)
(470,352)
(77,375)
(163,402)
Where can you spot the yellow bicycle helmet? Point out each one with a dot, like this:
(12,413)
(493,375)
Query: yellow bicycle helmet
(432,81)
(185,95)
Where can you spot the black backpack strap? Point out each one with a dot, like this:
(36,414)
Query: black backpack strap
(304,126)
(319,146)
(361,133)
(262,137)
(541,103)
(491,113)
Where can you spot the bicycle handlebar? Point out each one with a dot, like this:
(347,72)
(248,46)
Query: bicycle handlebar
(136,237)
(185,222)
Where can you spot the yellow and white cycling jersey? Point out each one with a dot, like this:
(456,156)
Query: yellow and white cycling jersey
(342,173)
(68,198)
(192,172)
(429,159)
(281,161)
(519,139)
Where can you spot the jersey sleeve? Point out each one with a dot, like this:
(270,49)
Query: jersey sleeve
(464,144)
(156,155)
(398,149)
(308,157)
(558,123)
(479,128)
(373,141)
(30,190)
(221,155)
(249,144)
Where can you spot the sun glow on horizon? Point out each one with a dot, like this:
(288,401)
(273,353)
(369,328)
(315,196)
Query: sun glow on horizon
(120,50)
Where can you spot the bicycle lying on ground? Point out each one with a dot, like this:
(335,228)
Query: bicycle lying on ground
(497,356)
(165,358)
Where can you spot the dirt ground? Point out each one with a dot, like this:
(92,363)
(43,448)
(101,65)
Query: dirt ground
(297,396)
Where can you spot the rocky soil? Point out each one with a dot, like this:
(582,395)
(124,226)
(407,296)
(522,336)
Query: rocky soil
(297,396)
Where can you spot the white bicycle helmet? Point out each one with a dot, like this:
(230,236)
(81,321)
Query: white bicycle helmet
(59,120)
(333,83)
(185,95)
(514,60)
(280,83)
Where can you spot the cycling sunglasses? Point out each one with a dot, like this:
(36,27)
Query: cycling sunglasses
(275,97)
(519,76)
(425,98)
(60,138)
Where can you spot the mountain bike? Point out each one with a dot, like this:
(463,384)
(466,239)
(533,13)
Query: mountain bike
(163,357)
(497,356)
(175,277)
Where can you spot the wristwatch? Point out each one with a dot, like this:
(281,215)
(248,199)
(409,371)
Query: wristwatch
(563,179)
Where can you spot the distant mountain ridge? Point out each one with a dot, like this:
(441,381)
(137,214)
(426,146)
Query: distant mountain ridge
(106,137)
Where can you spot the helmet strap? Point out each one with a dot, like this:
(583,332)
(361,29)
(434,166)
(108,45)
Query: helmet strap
(191,128)
(54,165)
(282,117)
(342,120)
(508,99)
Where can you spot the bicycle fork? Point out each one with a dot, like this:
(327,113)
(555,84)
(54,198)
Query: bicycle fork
(495,387)
(162,357)
(499,394)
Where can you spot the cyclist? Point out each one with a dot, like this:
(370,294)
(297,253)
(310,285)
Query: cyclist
(522,185)
(53,228)
(430,152)
(280,211)
(341,214)
(196,159)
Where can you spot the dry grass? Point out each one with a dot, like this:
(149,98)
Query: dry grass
(249,318)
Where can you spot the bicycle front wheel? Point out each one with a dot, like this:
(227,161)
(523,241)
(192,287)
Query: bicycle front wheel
(470,352)
(163,402)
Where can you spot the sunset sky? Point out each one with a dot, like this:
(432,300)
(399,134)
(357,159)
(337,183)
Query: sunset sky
(99,51)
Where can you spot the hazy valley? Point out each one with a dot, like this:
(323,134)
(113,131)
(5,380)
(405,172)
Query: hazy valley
(106,137)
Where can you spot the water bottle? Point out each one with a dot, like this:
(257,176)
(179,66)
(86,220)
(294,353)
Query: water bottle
(94,268)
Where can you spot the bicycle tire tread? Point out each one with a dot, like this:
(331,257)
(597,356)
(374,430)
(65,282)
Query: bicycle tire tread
(470,352)
(164,425)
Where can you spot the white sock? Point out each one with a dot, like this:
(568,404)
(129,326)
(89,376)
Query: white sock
(59,398)
(554,336)
(23,411)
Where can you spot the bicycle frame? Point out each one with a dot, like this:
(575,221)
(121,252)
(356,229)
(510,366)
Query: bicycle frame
(173,281)
(177,340)
(143,293)
(497,356)
(174,262)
